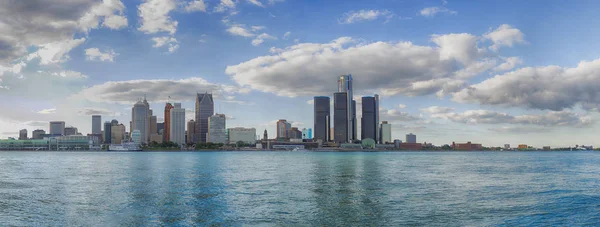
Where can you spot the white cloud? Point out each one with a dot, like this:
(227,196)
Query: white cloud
(47,111)
(401,106)
(432,11)
(225,5)
(88,111)
(239,30)
(286,35)
(256,2)
(261,38)
(505,35)
(127,92)
(68,74)
(553,118)
(195,5)
(154,16)
(461,47)
(111,11)
(55,52)
(547,88)
(94,54)
(509,63)
(364,15)
(310,102)
(171,42)
(437,110)
(257,28)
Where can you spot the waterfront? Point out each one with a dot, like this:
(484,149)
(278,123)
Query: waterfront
(302,188)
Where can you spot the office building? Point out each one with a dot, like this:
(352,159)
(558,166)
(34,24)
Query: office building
(156,138)
(310,133)
(282,129)
(369,123)
(294,133)
(117,135)
(468,146)
(345,86)
(191,126)
(153,126)
(160,128)
(167,122)
(57,128)
(411,138)
(136,137)
(96,124)
(140,114)
(322,118)
(386,133)
(71,131)
(177,127)
(216,129)
(304,133)
(107,132)
(205,108)
(38,134)
(342,127)
(23,134)
(239,134)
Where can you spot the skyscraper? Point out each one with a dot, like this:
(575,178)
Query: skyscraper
(282,129)
(322,117)
(345,85)
(340,118)
(167,122)
(107,132)
(411,138)
(216,129)
(117,133)
(377,133)
(96,124)
(191,126)
(205,107)
(177,127)
(153,123)
(69,131)
(23,134)
(38,134)
(140,119)
(386,132)
(57,128)
(369,118)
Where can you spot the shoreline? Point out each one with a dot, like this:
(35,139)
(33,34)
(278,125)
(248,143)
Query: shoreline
(286,151)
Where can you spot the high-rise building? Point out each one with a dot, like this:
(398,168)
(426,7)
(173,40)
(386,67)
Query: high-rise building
(265,135)
(341,124)
(191,126)
(57,128)
(282,129)
(114,122)
(294,133)
(310,133)
(322,118)
(377,132)
(216,129)
(411,138)
(304,133)
(153,129)
(160,128)
(23,134)
(38,134)
(96,124)
(70,131)
(205,108)
(246,135)
(140,119)
(108,132)
(345,86)
(177,127)
(136,137)
(369,124)
(386,132)
(167,122)
(117,133)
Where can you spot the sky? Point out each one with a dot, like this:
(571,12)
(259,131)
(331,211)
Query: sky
(490,72)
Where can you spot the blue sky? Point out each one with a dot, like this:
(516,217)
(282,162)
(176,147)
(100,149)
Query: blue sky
(489,72)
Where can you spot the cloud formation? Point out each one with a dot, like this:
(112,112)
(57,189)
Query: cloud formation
(432,11)
(505,35)
(94,54)
(171,42)
(364,15)
(154,16)
(549,119)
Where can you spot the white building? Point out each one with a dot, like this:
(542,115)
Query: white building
(246,135)
(57,128)
(386,132)
(177,125)
(136,137)
(140,120)
(216,129)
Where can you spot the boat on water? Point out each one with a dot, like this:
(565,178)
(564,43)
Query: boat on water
(299,149)
(124,147)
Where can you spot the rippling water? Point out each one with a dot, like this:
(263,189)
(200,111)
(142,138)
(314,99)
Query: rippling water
(283,188)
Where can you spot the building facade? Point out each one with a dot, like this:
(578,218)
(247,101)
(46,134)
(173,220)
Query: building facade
(57,128)
(136,137)
(216,129)
(282,129)
(294,133)
(153,126)
(167,122)
(369,123)
(107,132)
(386,132)
(23,134)
(140,119)
(71,131)
(191,130)
(38,134)
(177,127)
(205,108)
(411,138)
(342,131)
(246,135)
(345,86)
(322,116)
(96,124)
(117,134)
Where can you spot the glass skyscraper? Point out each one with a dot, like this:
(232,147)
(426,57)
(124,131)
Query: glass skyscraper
(369,118)
(345,86)
(341,127)
(322,118)
(205,107)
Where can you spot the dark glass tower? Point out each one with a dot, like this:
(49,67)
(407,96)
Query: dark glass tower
(107,132)
(340,117)
(205,107)
(322,116)
(369,118)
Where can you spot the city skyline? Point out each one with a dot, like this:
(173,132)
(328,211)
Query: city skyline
(439,73)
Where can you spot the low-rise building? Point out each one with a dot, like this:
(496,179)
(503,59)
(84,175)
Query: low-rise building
(239,134)
(468,146)
(411,146)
